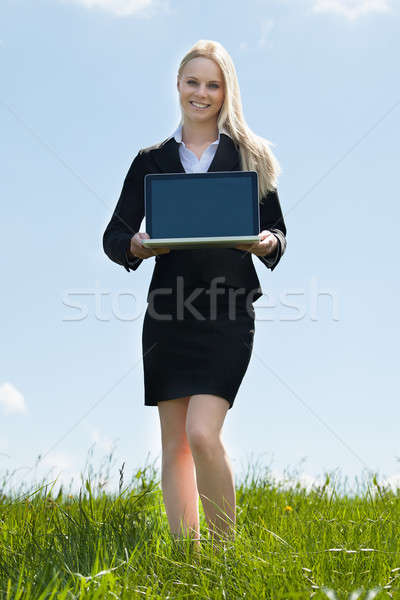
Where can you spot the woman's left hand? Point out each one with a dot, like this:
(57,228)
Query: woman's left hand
(266,245)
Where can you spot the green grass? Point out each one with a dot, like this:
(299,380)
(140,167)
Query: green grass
(290,543)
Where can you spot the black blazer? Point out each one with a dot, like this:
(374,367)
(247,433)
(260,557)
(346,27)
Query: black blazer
(197,266)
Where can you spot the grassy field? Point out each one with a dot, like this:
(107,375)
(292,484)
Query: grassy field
(290,543)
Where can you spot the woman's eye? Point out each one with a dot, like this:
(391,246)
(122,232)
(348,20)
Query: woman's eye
(215,85)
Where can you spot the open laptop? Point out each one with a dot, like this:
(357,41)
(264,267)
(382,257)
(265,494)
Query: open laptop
(194,210)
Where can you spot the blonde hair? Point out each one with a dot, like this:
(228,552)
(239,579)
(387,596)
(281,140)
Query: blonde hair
(255,152)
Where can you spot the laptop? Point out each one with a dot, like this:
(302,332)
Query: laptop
(196,210)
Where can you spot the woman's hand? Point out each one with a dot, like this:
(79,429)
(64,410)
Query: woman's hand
(267,244)
(139,251)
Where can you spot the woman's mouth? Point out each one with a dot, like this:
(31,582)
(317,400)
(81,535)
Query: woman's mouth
(199,106)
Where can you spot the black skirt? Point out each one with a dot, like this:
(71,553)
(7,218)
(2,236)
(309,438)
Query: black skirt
(202,347)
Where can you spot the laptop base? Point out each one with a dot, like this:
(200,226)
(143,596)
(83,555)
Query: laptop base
(200,242)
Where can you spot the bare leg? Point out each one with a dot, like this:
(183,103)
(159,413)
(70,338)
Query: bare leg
(215,480)
(178,476)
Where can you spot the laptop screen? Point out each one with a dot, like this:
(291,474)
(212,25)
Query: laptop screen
(180,205)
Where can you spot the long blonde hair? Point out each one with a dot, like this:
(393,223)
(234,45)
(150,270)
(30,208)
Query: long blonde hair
(255,152)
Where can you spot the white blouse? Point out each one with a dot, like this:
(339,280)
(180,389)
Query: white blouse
(189,160)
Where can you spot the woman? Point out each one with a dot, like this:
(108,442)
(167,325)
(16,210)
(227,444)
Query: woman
(194,365)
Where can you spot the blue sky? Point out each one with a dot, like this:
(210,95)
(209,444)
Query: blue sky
(85,84)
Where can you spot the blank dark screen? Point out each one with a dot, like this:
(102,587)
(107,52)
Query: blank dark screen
(202,206)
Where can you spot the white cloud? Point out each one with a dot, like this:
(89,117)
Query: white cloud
(11,400)
(58,460)
(306,481)
(393,482)
(100,440)
(62,468)
(267,26)
(4,444)
(351,9)
(125,8)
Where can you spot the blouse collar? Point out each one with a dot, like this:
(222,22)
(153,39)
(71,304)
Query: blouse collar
(178,135)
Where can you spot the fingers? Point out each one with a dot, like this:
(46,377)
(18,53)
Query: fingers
(267,245)
(266,242)
(137,248)
(244,246)
(264,234)
(147,252)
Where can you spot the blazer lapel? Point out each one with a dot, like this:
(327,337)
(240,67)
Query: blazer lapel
(226,158)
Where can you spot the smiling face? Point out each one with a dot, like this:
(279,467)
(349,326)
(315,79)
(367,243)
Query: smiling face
(201,82)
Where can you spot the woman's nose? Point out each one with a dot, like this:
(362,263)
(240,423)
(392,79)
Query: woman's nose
(202,90)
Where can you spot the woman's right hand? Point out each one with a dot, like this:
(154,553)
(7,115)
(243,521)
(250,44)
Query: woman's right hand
(139,251)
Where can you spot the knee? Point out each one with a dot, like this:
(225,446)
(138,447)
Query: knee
(202,441)
(176,448)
